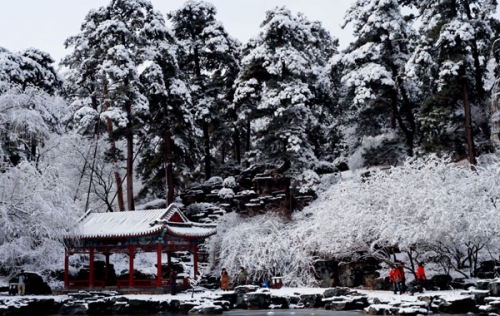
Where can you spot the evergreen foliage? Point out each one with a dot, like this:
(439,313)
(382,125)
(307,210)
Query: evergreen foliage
(282,97)
(209,60)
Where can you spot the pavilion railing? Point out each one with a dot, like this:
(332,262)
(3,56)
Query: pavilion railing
(77,284)
(136,283)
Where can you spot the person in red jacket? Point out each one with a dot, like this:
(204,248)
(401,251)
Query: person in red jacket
(421,276)
(395,279)
(401,268)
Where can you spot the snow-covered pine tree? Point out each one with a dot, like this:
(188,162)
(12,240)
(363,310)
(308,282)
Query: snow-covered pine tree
(165,157)
(376,103)
(28,83)
(113,46)
(209,59)
(31,67)
(449,61)
(281,99)
(86,89)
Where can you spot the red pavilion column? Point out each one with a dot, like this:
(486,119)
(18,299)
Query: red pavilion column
(66,268)
(169,262)
(106,276)
(91,272)
(158,264)
(131,266)
(195,259)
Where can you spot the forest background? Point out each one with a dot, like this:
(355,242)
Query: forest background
(140,112)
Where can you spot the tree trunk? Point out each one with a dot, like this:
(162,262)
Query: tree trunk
(119,188)
(468,128)
(206,140)
(236,144)
(130,159)
(406,108)
(169,174)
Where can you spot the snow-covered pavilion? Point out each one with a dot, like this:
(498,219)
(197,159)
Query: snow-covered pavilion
(161,231)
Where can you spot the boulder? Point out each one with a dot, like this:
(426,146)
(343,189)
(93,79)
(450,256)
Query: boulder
(258,300)
(336,291)
(74,308)
(32,306)
(225,305)
(280,302)
(479,295)
(230,297)
(119,307)
(383,309)
(483,284)
(242,289)
(142,306)
(206,309)
(442,281)
(100,307)
(187,306)
(460,305)
(312,300)
(294,299)
(492,306)
(494,288)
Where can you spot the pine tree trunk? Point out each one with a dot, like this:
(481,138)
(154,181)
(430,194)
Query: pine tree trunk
(468,127)
(168,168)
(236,144)
(130,159)
(118,179)
(206,140)
(406,109)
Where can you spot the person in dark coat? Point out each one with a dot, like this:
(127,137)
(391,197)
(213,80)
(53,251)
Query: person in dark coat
(173,282)
(243,276)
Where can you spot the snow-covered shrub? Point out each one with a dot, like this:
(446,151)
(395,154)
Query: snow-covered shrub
(36,212)
(226,193)
(214,181)
(375,150)
(423,206)
(308,181)
(230,182)
(265,245)
(197,208)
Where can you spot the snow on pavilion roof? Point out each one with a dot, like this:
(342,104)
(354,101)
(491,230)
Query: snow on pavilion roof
(141,223)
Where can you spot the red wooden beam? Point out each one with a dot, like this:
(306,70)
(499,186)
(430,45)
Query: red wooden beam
(106,276)
(131,266)
(158,264)
(66,268)
(91,272)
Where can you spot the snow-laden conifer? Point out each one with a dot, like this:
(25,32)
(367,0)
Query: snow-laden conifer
(375,96)
(209,60)
(281,97)
(449,63)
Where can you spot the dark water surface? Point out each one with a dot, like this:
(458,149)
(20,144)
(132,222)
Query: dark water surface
(277,312)
(290,312)
(265,312)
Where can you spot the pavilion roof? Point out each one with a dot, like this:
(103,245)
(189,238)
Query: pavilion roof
(141,223)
